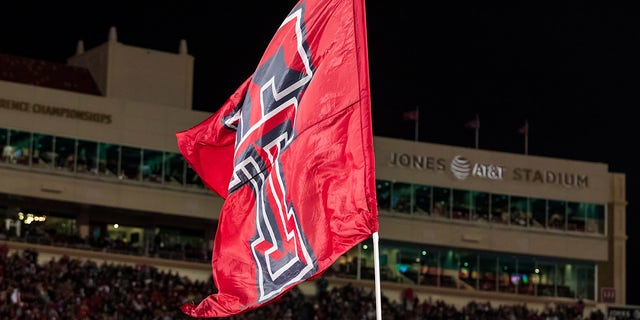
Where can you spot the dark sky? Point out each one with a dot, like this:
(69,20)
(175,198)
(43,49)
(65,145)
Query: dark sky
(569,68)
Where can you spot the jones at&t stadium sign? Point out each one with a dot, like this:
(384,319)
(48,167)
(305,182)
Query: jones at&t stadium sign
(462,168)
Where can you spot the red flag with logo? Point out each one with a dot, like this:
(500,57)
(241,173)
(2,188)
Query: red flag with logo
(291,151)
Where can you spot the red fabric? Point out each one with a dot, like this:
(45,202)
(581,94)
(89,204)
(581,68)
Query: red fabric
(291,151)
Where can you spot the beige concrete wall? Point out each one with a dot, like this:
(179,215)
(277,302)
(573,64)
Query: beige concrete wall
(126,122)
(147,75)
(613,272)
(140,74)
(485,236)
(107,192)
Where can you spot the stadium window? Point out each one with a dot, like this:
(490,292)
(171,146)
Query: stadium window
(109,159)
(174,168)
(468,270)
(585,287)
(401,197)
(65,151)
(20,141)
(547,278)
(597,219)
(529,277)
(408,263)
(487,270)
(152,166)
(87,162)
(423,199)
(500,208)
(538,213)
(557,214)
(480,202)
(461,205)
(130,163)
(576,216)
(594,218)
(441,202)
(43,154)
(508,277)
(520,211)
(383,194)
(7,150)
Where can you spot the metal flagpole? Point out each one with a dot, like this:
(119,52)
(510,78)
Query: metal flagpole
(376,268)
(526,137)
(417,120)
(524,130)
(359,263)
(477,130)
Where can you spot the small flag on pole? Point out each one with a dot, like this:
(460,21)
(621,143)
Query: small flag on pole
(524,129)
(411,115)
(475,124)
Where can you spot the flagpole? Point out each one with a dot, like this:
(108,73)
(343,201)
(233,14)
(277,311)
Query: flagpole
(376,268)
(477,130)
(524,130)
(359,263)
(417,121)
(526,137)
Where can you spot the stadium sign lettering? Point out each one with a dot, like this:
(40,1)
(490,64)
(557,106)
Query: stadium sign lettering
(418,162)
(55,111)
(462,168)
(623,312)
(551,177)
(488,171)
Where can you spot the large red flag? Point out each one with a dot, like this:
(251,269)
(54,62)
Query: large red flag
(291,151)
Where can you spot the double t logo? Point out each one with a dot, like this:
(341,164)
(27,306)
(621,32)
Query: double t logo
(266,127)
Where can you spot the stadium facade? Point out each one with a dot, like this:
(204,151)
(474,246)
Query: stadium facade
(90,168)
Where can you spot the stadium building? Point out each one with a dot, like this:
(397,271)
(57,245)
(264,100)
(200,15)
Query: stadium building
(90,169)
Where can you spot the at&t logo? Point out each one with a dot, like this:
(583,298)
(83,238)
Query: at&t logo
(462,168)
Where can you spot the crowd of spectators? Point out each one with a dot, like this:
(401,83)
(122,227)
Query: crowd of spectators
(67,288)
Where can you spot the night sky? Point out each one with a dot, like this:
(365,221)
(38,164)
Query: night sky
(570,69)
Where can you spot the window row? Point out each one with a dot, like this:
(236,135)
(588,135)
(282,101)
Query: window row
(468,205)
(47,152)
(60,229)
(470,270)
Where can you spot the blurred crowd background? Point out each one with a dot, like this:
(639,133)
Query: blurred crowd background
(69,288)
